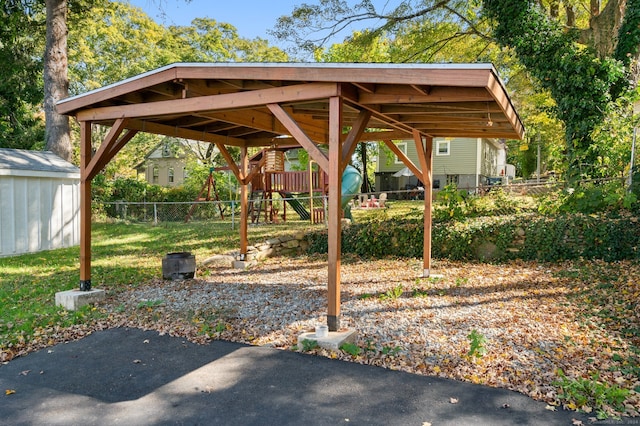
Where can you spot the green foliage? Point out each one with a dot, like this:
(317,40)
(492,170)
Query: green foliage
(476,344)
(351,348)
(581,83)
(591,197)
(21,84)
(393,294)
(391,350)
(453,200)
(592,393)
(150,304)
(309,345)
(609,236)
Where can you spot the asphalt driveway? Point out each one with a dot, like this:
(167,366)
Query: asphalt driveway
(135,377)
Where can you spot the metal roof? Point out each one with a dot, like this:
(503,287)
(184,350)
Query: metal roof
(229,102)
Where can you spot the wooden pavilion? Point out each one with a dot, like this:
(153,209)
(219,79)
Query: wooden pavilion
(260,104)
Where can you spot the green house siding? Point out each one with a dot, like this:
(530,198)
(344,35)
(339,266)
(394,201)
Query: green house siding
(386,164)
(468,162)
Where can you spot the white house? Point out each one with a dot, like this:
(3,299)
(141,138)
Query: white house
(39,202)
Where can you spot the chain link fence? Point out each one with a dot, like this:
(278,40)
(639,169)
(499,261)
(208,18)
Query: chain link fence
(224,212)
(228,212)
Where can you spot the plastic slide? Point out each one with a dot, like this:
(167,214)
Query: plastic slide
(351,182)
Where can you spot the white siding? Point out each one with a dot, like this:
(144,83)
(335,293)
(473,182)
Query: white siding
(38,213)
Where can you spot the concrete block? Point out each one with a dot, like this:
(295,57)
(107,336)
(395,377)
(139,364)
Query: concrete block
(74,299)
(243,264)
(333,341)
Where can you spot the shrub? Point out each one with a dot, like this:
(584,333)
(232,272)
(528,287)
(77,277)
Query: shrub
(610,236)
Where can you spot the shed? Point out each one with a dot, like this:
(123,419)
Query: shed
(40,202)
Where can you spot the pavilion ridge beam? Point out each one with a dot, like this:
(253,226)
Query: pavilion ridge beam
(255,98)
(300,136)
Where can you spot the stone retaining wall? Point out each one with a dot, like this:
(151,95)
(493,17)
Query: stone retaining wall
(278,246)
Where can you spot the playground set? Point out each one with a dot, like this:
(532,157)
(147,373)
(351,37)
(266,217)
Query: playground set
(303,191)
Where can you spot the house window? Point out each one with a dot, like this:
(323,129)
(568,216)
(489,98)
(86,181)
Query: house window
(443,147)
(455,179)
(155,174)
(402,146)
(171,175)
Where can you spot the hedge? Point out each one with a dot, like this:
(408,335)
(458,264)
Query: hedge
(609,237)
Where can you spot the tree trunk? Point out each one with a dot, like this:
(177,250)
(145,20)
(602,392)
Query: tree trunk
(56,83)
(603,28)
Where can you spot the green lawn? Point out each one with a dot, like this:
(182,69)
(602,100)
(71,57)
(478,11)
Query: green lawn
(123,255)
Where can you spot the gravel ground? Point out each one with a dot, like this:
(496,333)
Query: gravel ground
(512,326)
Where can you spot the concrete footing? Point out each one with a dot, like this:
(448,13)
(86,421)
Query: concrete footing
(243,264)
(332,341)
(74,299)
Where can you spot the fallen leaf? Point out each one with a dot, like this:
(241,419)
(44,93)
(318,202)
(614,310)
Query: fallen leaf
(550,407)
(146,341)
(453,400)
(506,406)
(576,422)
(24,372)
(9,392)
(426,424)
(137,361)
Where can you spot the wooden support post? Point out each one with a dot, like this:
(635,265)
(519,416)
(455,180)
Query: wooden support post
(335,217)
(244,202)
(85,206)
(426,162)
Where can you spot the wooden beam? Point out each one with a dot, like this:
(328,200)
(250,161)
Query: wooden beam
(426,161)
(85,206)
(437,94)
(407,162)
(352,139)
(381,136)
(240,175)
(115,148)
(300,136)
(244,204)
(178,132)
(105,147)
(247,180)
(294,93)
(335,212)
(263,120)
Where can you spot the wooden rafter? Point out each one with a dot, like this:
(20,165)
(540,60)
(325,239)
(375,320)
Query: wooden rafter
(299,135)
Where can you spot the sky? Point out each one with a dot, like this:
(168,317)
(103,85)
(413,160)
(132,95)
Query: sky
(252,18)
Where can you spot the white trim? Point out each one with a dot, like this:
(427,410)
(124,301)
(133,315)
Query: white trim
(448,143)
(40,174)
(396,160)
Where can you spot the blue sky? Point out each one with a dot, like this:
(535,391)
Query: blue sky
(252,18)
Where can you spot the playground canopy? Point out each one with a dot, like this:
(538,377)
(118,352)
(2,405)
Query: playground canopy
(267,104)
